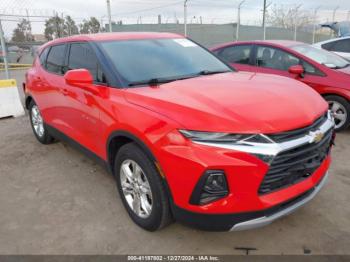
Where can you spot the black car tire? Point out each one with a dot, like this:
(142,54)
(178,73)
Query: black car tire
(160,215)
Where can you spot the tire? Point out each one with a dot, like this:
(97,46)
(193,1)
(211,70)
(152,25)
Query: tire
(36,120)
(339,107)
(150,219)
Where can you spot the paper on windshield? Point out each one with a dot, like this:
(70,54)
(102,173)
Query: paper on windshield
(185,42)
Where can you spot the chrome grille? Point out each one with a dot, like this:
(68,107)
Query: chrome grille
(294,165)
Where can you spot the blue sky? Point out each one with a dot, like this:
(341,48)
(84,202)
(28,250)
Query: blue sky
(211,11)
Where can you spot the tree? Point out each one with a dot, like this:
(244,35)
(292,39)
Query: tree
(70,26)
(22,32)
(278,16)
(90,26)
(55,28)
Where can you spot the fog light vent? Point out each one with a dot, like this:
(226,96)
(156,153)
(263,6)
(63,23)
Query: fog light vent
(210,187)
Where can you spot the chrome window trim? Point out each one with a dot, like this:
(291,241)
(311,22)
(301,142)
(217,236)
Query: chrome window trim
(272,149)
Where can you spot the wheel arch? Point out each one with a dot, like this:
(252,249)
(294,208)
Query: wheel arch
(28,100)
(121,137)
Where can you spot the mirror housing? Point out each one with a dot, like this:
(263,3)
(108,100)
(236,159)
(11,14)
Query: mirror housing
(79,77)
(297,70)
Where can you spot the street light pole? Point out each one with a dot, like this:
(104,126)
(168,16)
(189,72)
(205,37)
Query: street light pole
(238,19)
(185,17)
(109,15)
(314,28)
(295,21)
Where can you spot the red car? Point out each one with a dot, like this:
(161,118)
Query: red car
(186,137)
(327,73)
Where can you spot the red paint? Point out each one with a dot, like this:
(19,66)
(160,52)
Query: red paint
(230,102)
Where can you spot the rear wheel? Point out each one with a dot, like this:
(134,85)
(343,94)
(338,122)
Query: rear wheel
(141,188)
(39,128)
(340,109)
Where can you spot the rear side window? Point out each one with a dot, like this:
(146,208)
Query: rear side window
(328,46)
(239,54)
(55,59)
(341,46)
(43,56)
(82,56)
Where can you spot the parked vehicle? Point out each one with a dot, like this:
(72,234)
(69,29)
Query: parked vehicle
(325,72)
(340,29)
(186,137)
(340,46)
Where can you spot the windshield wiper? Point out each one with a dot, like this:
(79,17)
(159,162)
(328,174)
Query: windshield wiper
(156,81)
(208,72)
(153,81)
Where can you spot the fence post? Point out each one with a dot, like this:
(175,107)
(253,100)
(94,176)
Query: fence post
(4,51)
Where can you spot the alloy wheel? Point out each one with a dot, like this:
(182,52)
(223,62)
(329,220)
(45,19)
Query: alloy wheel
(339,113)
(37,121)
(136,188)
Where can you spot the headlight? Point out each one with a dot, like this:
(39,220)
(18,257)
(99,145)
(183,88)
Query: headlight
(213,136)
(238,142)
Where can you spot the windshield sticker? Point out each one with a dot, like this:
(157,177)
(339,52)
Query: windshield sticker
(185,42)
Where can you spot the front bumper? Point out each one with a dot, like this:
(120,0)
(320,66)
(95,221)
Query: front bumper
(268,219)
(247,220)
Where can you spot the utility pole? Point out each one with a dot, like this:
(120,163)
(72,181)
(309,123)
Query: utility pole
(30,26)
(4,51)
(296,22)
(264,19)
(185,17)
(314,28)
(109,15)
(263,23)
(238,19)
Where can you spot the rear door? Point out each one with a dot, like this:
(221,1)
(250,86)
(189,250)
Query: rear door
(239,56)
(47,84)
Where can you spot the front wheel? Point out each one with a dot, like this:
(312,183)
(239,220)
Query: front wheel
(39,128)
(141,188)
(340,109)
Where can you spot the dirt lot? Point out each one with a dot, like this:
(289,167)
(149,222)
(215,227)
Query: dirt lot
(54,200)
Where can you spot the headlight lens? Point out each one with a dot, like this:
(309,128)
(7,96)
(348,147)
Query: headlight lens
(213,136)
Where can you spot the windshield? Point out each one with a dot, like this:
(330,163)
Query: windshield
(154,60)
(321,56)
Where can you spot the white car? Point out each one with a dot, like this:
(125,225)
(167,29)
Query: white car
(340,46)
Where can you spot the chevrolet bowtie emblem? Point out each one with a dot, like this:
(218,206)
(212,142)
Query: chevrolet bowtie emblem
(316,136)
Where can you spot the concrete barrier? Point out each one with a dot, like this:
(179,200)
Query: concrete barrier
(10,102)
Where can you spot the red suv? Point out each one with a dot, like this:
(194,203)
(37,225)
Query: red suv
(186,137)
(327,73)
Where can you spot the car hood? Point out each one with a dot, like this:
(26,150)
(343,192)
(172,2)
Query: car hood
(233,102)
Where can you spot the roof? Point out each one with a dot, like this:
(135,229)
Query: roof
(284,43)
(115,36)
(331,40)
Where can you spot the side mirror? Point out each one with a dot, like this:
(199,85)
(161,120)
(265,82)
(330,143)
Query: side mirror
(297,70)
(79,77)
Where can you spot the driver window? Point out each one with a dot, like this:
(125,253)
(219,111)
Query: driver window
(82,56)
(275,58)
